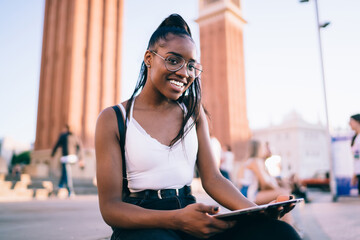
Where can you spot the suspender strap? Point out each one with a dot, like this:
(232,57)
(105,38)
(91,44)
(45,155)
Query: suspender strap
(122,134)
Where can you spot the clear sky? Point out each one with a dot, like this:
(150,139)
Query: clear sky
(282,65)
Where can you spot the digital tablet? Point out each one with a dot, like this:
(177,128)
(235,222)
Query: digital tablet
(257,211)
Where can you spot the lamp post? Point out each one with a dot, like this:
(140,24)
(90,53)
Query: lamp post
(319,27)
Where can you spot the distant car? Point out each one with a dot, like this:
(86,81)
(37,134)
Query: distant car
(320,180)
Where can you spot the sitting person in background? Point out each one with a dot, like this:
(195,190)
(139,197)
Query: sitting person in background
(255,181)
(297,189)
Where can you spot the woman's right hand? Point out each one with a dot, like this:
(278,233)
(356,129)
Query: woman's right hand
(196,220)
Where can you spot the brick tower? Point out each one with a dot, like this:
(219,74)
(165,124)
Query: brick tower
(80,67)
(223,80)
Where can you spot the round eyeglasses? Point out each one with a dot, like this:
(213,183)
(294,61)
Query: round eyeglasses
(174,63)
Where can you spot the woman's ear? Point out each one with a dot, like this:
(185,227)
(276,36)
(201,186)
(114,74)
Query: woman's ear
(148,58)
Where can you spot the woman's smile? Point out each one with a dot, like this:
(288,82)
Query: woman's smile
(177,85)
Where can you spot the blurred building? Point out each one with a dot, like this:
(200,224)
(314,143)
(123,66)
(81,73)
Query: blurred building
(302,146)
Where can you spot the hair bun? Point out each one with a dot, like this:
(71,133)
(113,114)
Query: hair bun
(175,20)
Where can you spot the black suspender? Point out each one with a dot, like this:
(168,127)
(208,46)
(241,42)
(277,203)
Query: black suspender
(122,134)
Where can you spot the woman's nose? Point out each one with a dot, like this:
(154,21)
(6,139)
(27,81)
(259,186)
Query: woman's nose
(183,72)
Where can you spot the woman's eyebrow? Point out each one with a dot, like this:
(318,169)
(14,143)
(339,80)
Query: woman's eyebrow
(179,55)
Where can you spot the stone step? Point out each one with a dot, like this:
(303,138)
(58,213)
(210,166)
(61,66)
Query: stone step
(42,194)
(24,188)
(17,195)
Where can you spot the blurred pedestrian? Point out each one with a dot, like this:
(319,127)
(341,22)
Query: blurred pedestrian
(227,162)
(71,153)
(15,168)
(216,149)
(355,148)
(16,171)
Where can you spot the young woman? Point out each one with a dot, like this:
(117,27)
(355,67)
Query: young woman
(355,148)
(167,134)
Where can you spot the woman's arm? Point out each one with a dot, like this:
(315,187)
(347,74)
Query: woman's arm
(218,187)
(192,219)
(109,179)
(58,143)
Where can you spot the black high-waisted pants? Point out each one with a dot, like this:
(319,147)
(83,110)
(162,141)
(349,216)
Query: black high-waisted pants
(253,229)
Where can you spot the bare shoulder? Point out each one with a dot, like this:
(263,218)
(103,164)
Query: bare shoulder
(107,121)
(106,124)
(109,113)
(106,115)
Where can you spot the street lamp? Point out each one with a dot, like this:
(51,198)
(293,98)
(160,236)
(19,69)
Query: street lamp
(319,26)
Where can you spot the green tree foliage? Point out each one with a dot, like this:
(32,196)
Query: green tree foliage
(22,158)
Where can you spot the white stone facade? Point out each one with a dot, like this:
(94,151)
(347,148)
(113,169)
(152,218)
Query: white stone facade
(302,146)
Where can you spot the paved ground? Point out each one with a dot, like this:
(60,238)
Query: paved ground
(80,218)
(77,218)
(324,219)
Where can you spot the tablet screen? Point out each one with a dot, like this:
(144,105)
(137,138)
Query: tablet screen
(255,211)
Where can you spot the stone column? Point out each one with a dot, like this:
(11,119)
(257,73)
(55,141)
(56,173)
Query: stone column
(80,67)
(80,75)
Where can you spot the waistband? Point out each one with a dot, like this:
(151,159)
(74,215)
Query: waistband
(163,193)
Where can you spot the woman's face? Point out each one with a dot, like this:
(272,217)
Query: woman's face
(355,125)
(170,84)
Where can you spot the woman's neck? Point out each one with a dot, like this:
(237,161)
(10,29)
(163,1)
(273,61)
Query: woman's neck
(152,101)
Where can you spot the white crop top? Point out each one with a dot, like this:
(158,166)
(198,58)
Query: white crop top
(153,165)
